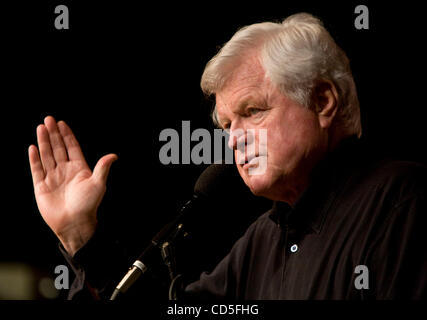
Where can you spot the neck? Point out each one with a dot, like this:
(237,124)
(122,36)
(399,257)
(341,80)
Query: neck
(301,180)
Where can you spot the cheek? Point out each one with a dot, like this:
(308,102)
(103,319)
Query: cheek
(292,137)
(280,141)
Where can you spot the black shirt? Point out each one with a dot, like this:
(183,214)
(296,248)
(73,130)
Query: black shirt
(358,211)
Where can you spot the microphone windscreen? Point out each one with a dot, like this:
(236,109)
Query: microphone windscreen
(220,180)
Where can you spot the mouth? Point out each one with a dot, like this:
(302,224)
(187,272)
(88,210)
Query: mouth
(243,160)
(251,162)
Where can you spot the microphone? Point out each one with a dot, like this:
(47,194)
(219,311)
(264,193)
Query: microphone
(217,180)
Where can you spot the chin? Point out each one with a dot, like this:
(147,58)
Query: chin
(260,185)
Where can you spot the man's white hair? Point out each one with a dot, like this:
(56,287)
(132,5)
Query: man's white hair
(295,54)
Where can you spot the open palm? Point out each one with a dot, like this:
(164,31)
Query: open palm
(67,192)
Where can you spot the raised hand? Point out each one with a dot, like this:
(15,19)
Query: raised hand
(67,192)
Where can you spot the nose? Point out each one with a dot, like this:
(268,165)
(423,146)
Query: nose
(241,139)
(232,140)
(237,136)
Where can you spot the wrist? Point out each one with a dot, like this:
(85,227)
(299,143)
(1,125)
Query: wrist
(75,237)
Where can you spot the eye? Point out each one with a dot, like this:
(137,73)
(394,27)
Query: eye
(253,111)
(226,126)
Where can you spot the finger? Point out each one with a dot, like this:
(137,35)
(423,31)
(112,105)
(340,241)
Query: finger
(102,168)
(37,171)
(56,142)
(46,154)
(73,148)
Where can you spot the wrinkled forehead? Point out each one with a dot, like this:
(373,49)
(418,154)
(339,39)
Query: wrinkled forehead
(246,82)
(248,72)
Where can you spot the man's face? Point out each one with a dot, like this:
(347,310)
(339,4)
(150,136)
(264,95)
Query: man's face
(295,140)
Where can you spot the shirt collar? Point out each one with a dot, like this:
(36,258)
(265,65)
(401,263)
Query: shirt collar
(328,178)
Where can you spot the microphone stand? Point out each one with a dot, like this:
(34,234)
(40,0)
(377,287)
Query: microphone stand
(167,252)
(168,256)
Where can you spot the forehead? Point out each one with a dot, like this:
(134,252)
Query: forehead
(246,82)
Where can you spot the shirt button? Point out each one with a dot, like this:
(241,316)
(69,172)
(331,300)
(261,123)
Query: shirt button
(294,248)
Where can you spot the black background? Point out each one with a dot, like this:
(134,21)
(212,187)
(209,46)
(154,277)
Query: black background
(124,71)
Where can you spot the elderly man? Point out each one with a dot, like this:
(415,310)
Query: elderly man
(344,225)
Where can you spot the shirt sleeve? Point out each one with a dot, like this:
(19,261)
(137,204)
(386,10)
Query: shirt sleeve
(399,257)
(96,267)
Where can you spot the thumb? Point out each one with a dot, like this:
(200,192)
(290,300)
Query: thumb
(102,168)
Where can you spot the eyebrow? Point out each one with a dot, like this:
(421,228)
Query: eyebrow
(241,106)
(219,121)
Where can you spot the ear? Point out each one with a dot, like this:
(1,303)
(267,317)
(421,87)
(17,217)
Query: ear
(325,100)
